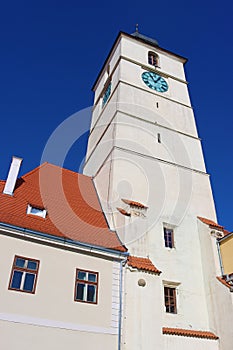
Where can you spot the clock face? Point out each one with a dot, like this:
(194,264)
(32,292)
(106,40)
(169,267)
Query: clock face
(155,81)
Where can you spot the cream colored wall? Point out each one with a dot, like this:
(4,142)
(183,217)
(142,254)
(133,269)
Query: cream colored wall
(138,52)
(53,305)
(183,343)
(226,247)
(23,336)
(142,311)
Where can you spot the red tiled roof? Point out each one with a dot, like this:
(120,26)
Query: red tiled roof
(211,223)
(189,333)
(123,212)
(223,281)
(74,211)
(133,203)
(144,264)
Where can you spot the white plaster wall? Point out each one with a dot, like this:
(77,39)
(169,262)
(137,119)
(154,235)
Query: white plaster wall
(138,136)
(53,305)
(142,103)
(219,298)
(111,63)
(25,336)
(103,113)
(131,73)
(142,313)
(182,343)
(138,52)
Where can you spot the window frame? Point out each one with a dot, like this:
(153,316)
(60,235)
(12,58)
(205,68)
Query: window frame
(31,207)
(172,297)
(106,93)
(86,282)
(166,238)
(24,270)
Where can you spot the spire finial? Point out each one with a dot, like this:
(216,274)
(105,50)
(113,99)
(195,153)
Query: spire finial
(136,27)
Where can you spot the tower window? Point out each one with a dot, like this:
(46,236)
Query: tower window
(159,138)
(153,59)
(170,300)
(106,94)
(86,286)
(168,237)
(24,274)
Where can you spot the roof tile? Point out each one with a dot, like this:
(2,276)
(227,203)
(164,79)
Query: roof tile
(133,203)
(71,201)
(189,333)
(144,264)
(211,223)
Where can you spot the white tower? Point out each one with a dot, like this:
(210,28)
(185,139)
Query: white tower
(146,159)
(143,144)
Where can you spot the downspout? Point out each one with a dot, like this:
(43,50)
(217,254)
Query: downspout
(122,263)
(220,257)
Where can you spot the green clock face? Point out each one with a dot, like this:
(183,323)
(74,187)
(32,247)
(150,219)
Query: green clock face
(155,81)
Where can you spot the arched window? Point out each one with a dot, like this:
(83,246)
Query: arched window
(153,59)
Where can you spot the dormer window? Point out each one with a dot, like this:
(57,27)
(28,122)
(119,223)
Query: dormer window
(36,211)
(153,59)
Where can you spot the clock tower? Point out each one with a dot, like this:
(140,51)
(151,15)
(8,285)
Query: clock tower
(146,159)
(143,144)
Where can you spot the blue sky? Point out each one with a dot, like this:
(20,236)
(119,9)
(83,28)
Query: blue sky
(51,52)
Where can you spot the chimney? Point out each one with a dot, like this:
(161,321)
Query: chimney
(12,176)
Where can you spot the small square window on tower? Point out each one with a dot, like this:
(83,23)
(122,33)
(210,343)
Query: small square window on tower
(170,299)
(168,237)
(24,274)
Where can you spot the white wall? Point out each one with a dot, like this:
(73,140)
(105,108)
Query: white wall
(52,311)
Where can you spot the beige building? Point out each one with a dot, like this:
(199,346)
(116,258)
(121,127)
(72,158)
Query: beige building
(226,249)
(61,266)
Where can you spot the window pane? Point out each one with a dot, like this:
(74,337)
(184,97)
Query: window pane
(20,262)
(29,282)
(80,291)
(37,211)
(32,265)
(92,277)
(16,280)
(82,275)
(91,293)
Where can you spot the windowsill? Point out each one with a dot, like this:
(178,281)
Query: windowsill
(36,217)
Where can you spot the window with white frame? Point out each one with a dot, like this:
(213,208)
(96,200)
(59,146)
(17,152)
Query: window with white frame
(36,211)
(86,286)
(24,274)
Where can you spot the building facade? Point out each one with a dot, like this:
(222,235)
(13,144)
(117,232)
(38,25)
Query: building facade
(146,159)
(61,266)
(127,256)
(226,248)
